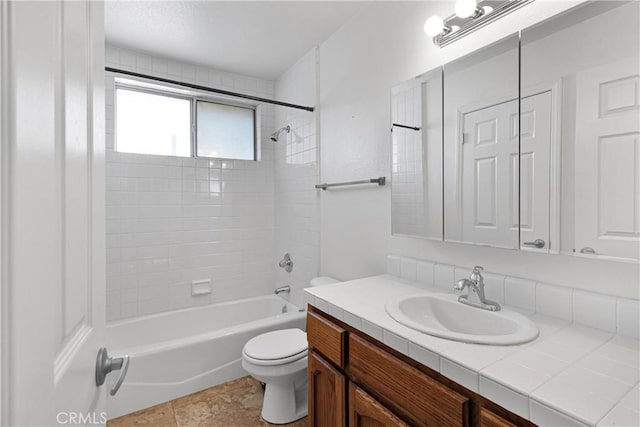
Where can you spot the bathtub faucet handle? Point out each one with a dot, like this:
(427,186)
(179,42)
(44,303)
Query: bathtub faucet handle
(286,263)
(106,364)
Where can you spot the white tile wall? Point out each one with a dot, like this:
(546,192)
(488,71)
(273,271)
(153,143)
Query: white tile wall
(494,287)
(520,293)
(444,276)
(296,199)
(598,311)
(408,269)
(393,266)
(424,272)
(554,301)
(172,220)
(629,318)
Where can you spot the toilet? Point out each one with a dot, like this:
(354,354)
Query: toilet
(279,359)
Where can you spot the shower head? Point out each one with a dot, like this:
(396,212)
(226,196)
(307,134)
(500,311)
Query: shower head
(276,134)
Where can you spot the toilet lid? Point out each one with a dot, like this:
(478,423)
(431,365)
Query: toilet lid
(277,345)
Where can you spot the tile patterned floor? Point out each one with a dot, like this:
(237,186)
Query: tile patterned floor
(233,404)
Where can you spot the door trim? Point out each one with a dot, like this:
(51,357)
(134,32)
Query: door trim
(4,227)
(555,160)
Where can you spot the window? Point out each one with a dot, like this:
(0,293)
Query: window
(147,123)
(224,131)
(156,121)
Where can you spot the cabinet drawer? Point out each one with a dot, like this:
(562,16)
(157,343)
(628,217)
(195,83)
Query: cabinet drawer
(404,389)
(489,419)
(326,338)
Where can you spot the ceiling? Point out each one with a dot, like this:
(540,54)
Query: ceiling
(255,38)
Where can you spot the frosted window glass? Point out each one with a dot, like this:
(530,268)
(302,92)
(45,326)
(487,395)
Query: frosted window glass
(152,124)
(225,131)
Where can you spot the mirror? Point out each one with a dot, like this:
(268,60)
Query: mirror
(581,124)
(481,187)
(570,183)
(416,158)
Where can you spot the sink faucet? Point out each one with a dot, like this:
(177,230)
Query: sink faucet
(475,291)
(283,289)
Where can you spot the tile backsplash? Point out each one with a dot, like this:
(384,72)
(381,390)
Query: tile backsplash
(607,313)
(172,220)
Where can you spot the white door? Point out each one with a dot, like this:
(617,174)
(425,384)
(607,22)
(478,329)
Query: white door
(490,176)
(535,150)
(53,256)
(607,160)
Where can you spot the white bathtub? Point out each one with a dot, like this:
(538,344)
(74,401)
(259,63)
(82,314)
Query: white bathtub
(177,353)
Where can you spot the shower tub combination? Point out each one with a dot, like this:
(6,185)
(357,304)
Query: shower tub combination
(177,353)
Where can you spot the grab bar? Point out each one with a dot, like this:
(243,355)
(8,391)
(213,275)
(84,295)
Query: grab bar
(380,181)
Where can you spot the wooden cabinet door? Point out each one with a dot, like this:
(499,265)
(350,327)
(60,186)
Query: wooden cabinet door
(365,411)
(326,394)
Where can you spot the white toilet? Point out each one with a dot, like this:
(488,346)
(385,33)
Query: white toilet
(279,359)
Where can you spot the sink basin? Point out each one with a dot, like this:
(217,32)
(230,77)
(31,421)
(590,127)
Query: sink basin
(441,315)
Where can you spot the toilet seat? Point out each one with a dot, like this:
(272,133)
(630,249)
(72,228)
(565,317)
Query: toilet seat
(276,347)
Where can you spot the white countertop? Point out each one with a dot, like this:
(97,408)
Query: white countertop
(570,375)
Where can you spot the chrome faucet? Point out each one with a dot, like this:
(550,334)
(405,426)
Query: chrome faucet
(283,289)
(475,291)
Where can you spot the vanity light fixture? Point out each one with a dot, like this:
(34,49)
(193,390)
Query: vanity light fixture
(469,16)
(468,8)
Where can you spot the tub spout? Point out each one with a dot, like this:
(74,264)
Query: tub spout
(283,289)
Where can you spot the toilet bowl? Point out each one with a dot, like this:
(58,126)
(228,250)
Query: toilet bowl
(279,359)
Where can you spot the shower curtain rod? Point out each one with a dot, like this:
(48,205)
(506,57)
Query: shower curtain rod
(209,89)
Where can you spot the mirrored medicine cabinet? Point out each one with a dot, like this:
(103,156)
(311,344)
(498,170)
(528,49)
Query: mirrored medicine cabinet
(531,143)
(416,158)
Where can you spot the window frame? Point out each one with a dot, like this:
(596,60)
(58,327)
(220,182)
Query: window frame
(194,129)
(193,97)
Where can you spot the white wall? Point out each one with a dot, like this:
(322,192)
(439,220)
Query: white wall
(171,220)
(296,199)
(378,48)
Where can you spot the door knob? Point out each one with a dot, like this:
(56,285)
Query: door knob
(538,243)
(106,364)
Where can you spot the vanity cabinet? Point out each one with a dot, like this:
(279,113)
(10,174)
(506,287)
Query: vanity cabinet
(365,411)
(356,380)
(327,399)
(489,419)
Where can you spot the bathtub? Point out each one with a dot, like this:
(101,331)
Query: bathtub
(180,352)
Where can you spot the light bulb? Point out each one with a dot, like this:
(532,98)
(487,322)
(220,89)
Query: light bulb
(433,26)
(465,8)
